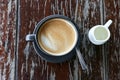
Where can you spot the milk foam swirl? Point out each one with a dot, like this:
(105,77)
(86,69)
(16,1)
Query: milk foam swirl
(56,36)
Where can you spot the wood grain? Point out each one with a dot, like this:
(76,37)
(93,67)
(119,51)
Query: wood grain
(83,13)
(32,66)
(18,59)
(90,15)
(7,39)
(112,11)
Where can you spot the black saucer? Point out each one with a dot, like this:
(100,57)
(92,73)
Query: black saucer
(44,55)
(54,59)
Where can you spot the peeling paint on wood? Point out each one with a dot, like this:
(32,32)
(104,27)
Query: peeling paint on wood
(7,39)
(18,59)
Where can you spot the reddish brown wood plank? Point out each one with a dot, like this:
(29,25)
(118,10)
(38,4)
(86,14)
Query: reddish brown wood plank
(7,39)
(32,66)
(86,13)
(112,11)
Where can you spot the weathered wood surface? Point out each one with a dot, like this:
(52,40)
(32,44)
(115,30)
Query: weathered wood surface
(112,10)
(7,39)
(18,59)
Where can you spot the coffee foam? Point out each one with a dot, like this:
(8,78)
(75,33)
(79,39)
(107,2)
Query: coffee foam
(57,36)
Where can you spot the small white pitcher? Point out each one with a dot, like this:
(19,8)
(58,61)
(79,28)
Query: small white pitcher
(99,34)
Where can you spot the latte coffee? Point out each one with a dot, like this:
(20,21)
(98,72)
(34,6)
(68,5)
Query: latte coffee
(57,36)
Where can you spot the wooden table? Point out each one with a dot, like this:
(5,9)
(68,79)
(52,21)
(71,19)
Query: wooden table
(18,59)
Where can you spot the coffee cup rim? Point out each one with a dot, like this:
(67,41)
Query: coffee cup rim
(41,22)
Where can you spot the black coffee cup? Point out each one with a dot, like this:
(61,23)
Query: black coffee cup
(55,38)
